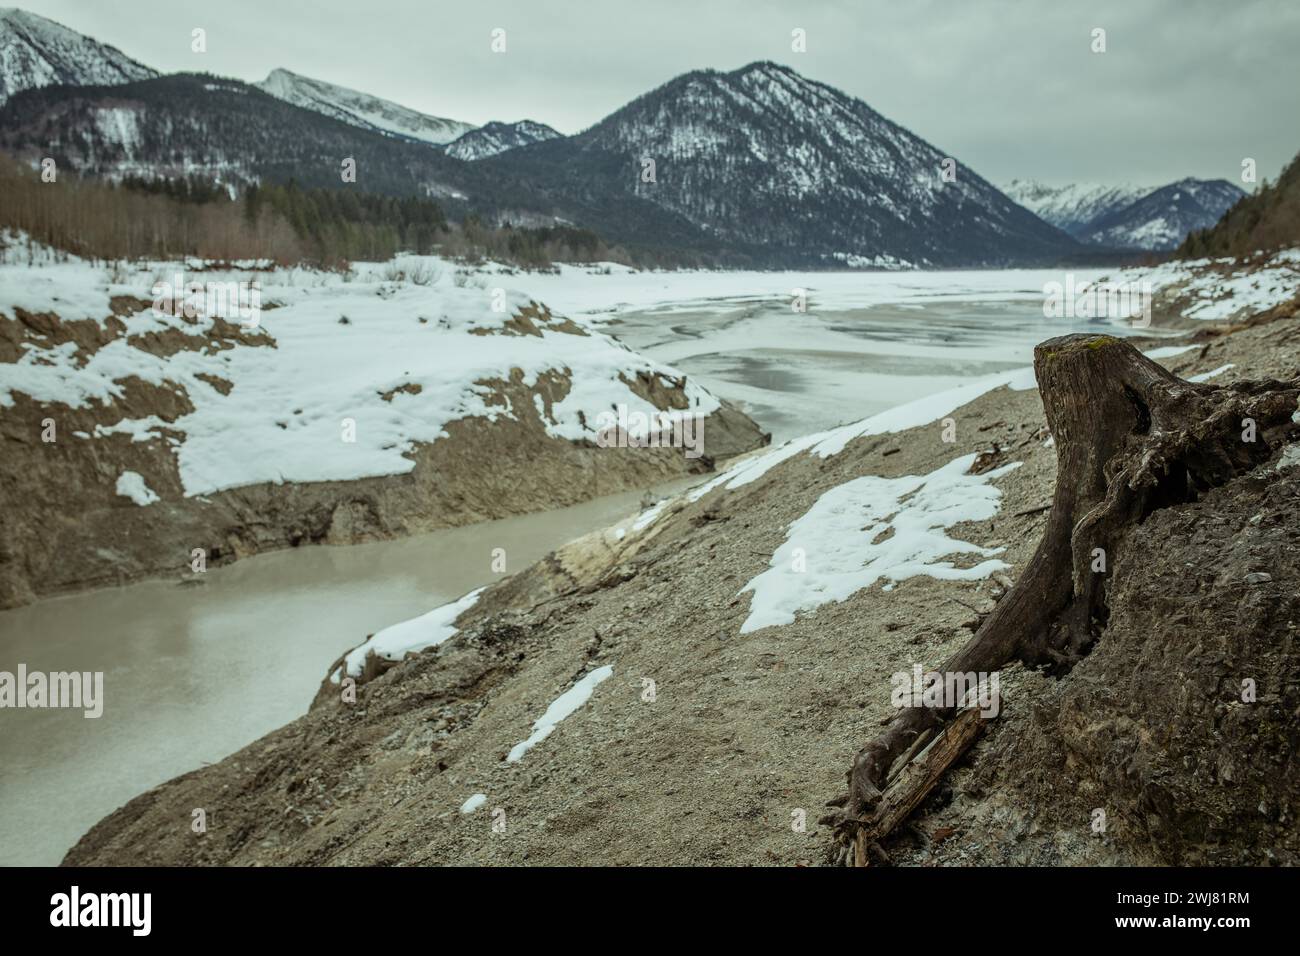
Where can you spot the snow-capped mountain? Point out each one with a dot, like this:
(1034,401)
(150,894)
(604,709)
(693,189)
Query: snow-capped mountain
(498,137)
(1072,207)
(768,162)
(1129,217)
(1163,218)
(362,109)
(36,52)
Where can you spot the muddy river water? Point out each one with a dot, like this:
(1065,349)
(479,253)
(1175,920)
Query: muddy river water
(193,673)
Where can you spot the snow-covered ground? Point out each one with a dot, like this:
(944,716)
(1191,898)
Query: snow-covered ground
(607,290)
(869,341)
(384,339)
(340,380)
(1222,290)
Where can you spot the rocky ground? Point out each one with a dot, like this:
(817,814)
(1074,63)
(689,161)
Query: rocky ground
(712,745)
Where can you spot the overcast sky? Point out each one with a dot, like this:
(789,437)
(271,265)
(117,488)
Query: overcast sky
(1009,87)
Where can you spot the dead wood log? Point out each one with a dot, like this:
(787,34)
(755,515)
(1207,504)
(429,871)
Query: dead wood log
(1131,437)
(914,778)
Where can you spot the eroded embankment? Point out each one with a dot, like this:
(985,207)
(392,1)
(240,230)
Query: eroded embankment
(140,443)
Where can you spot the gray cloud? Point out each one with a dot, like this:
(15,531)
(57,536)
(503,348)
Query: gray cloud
(1186,87)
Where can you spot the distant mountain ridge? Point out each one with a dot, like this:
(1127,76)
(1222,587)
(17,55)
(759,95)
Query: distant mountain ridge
(494,138)
(362,109)
(36,52)
(1163,218)
(1073,207)
(1128,217)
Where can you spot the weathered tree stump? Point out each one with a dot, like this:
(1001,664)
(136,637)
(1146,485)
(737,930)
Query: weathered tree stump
(1131,437)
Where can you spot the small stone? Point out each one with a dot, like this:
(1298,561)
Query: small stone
(1257,577)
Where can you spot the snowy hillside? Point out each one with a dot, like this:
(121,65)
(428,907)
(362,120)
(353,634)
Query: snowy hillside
(362,109)
(498,137)
(1218,290)
(36,52)
(235,134)
(311,408)
(396,359)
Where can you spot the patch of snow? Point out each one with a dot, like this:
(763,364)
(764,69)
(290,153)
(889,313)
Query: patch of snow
(560,708)
(1206,376)
(872,529)
(1167,351)
(473,803)
(648,517)
(131,485)
(410,637)
(120,126)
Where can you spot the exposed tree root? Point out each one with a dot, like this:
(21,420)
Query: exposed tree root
(1131,437)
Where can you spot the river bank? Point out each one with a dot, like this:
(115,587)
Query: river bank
(195,671)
